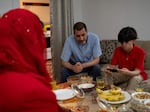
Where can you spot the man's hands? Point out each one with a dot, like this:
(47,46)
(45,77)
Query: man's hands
(77,68)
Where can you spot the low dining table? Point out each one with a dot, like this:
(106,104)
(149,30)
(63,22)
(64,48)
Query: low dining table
(88,102)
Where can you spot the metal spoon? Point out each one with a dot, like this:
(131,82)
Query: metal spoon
(103,105)
(79,92)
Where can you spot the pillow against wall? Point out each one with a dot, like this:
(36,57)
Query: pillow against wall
(145,45)
(107,47)
(147,61)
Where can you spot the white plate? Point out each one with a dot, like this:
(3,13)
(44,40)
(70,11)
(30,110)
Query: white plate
(86,85)
(64,94)
(127,98)
(138,93)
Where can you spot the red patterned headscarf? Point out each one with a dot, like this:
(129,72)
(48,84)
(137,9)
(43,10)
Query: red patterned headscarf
(22,43)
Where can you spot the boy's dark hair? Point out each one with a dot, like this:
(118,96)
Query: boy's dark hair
(79,26)
(126,34)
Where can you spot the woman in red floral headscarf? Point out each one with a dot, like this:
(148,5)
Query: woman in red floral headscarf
(24,81)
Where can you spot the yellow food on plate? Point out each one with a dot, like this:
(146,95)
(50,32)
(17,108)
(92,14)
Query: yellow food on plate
(115,90)
(107,95)
(99,91)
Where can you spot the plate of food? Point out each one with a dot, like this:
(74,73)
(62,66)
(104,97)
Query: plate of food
(86,78)
(64,94)
(140,96)
(114,96)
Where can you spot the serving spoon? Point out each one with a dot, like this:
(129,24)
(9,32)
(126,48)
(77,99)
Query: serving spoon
(78,91)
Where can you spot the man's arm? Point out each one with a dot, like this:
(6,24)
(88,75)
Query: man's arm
(67,65)
(91,63)
(77,68)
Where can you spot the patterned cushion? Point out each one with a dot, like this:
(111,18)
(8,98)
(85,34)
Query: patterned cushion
(145,44)
(107,47)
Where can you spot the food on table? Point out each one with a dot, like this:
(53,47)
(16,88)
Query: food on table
(99,91)
(101,110)
(142,95)
(73,80)
(111,97)
(86,79)
(115,90)
(139,106)
(78,108)
(113,94)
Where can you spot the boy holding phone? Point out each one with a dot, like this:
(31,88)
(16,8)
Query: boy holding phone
(127,64)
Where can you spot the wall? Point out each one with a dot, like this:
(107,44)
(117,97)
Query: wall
(6,5)
(43,12)
(107,17)
(77,10)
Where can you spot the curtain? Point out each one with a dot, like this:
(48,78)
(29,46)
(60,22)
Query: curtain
(61,26)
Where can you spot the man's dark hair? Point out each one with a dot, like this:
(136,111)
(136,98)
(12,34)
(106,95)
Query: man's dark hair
(126,34)
(79,26)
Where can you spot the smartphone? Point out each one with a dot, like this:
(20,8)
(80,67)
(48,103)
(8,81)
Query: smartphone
(112,69)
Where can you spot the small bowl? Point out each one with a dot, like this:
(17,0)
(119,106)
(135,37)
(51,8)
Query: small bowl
(73,80)
(87,86)
(140,96)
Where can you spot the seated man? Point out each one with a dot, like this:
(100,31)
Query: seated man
(81,53)
(127,64)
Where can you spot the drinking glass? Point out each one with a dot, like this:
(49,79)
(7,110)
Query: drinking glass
(53,84)
(100,82)
(139,88)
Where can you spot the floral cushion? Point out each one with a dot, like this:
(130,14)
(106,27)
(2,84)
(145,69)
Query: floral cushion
(107,47)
